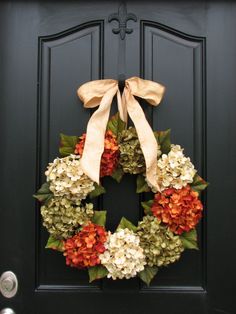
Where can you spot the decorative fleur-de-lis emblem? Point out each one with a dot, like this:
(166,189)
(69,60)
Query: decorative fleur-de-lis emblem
(122,17)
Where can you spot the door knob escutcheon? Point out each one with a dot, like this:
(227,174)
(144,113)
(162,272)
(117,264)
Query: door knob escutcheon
(8,284)
(7,311)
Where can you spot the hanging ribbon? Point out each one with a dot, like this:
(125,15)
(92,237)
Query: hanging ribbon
(100,94)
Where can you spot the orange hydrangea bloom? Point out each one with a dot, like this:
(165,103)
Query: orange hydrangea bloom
(84,248)
(110,154)
(180,209)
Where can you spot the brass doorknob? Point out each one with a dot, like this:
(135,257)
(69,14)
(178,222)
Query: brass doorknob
(8,284)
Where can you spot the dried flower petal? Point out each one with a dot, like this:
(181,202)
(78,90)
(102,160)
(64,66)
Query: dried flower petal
(161,247)
(83,249)
(131,156)
(62,217)
(123,257)
(174,170)
(110,154)
(67,178)
(180,209)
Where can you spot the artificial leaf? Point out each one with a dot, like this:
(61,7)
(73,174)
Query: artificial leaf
(99,217)
(118,174)
(189,239)
(54,244)
(97,191)
(66,151)
(142,184)
(67,144)
(97,272)
(148,274)
(147,206)
(44,194)
(125,223)
(198,183)
(116,125)
(163,138)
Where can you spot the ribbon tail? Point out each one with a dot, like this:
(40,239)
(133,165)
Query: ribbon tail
(146,137)
(94,144)
(122,107)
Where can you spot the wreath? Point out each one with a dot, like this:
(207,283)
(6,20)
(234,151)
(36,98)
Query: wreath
(111,148)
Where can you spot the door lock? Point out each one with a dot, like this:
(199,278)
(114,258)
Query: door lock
(8,284)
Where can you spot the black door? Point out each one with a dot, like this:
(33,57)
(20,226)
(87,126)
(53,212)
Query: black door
(47,50)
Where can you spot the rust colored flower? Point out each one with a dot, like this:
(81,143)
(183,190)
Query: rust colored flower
(84,248)
(180,209)
(110,154)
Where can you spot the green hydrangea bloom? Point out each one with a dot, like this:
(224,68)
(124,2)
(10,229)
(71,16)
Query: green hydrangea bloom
(161,246)
(131,156)
(62,217)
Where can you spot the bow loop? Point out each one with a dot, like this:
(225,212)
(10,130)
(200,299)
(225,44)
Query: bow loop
(91,93)
(151,91)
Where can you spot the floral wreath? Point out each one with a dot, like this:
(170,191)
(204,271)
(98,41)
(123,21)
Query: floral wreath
(110,148)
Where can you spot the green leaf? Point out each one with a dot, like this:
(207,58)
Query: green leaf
(67,144)
(147,206)
(99,217)
(116,125)
(54,244)
(141,184)
(163,138)
(125,223)
(118,174)
(198,183)
(97,272)
(97,191)
(44,194)
(66,151)
(189,239)
(148,274)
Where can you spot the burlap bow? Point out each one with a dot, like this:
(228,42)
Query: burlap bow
(100,93)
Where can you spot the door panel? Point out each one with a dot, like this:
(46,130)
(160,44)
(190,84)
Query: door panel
(48,50)
(178,61)
(66,59)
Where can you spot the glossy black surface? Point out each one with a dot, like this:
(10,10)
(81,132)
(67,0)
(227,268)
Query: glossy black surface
(47,50)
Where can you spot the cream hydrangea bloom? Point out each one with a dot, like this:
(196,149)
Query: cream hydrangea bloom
(67,178)
(124,257)
(174,170)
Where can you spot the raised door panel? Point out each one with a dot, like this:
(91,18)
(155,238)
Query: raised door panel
(177,60)
(66,60)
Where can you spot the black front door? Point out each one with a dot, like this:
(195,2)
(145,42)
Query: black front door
(48,49)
